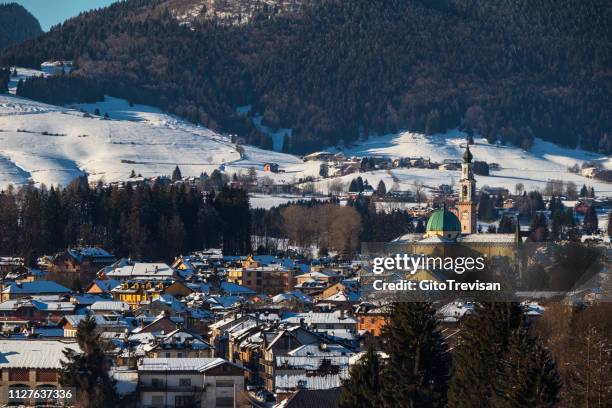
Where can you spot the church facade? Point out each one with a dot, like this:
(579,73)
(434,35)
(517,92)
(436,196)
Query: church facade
(451,232)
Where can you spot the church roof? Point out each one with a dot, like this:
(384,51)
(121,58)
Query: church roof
(443,220)
(467,156)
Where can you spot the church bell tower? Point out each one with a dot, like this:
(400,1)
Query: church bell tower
(466,208)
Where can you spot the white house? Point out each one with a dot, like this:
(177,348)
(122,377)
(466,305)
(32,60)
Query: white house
(189,382)
(56,67)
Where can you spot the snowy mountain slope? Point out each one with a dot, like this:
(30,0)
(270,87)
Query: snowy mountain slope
(533,168)
(542,156)
(53,145)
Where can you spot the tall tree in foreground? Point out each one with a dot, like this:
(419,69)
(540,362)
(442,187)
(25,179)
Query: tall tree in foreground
(529,377)
(483,341)
(417,371)
(364,386)
(88,371)
(497,363)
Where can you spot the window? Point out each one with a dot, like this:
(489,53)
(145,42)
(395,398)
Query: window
(179,355)
(184,401)
(19,374)
(225,402)
(225,383)
(167,355)
(46,376)
(157,382)
(157,401)
(185,382)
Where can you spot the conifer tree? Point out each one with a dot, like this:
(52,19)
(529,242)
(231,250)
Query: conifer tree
(417,371)
(591,222)
(176,174)
(88,371)
(496,362)
(482,343)
(381,189)
(363,388)
(529,377)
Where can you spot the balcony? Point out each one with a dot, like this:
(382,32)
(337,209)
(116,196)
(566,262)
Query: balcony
(170,388)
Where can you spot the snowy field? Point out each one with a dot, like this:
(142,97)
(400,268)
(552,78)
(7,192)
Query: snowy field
(52,145)
(533,168)
(268,201)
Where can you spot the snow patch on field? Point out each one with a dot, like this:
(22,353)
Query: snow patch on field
(269,201)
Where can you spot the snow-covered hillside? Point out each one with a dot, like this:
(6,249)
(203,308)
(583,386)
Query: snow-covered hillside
(533,168)
(53,145)
(47,144)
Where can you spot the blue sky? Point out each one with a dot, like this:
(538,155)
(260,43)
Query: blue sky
(51,12)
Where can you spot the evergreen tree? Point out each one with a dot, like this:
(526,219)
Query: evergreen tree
(88,371)
(485,207)
(356,185)
(363,388)
(538,230)
(381,189)
(590,223)
(479,354)
(497,363)
(417,371)
(506,225)
(324,170)
(610,224)
(420,227)
(176,174)
(529,377)
(583,191)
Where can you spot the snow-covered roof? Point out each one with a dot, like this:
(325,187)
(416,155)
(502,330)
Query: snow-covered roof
(35,287)
(106,285)
(34,353)
(487,237)
(293,295)
(114,305)
(182,364)
(335,317)
(453,311)
(140,269)
(229,288)
(320,350)
(90,252)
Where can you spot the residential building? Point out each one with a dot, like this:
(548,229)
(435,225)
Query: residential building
(18,290)
(31,364)
(189,382)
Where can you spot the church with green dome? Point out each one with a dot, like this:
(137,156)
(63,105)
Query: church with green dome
(455,230)
(443,223)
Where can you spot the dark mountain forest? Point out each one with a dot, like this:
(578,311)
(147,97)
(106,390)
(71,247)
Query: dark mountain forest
(510,70)
(16,25)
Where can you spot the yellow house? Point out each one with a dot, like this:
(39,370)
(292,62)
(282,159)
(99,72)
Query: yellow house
(133,293)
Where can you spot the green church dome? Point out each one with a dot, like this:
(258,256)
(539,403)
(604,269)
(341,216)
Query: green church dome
(443,220)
